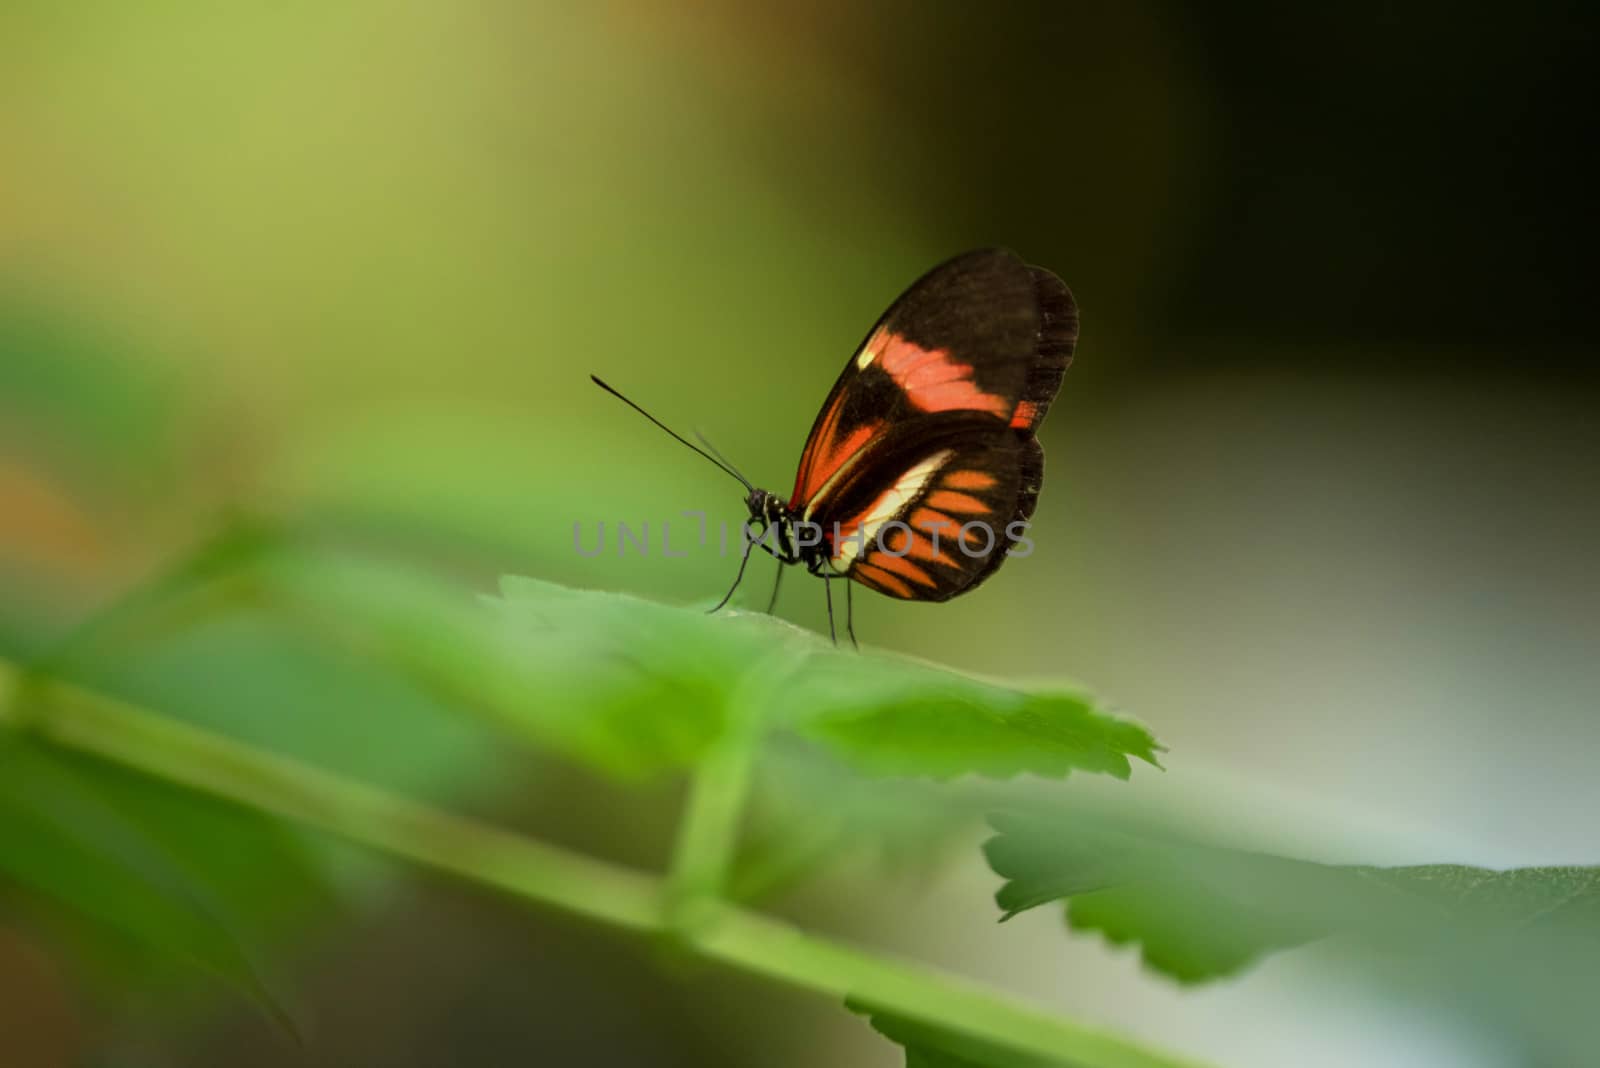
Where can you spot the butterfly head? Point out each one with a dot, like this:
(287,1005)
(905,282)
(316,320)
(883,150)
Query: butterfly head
(765,507)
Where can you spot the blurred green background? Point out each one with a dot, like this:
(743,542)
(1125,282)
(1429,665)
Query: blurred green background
(1321,502)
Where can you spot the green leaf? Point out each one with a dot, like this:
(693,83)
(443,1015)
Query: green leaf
(651,679)
(1540,898)
(635,687)
(894,715)
(225,611)
(1200,911)
(141,860)
(906,827)
(932,1047)
(529,665)
(93,399)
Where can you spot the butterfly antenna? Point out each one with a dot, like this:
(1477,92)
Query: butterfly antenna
(723,464)
(702,439)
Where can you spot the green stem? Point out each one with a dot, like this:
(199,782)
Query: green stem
(74,718)
(709,832)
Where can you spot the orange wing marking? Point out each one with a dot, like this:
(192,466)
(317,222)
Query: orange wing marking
(1025,416)
(839,454)
(949,530)
(969,480)
(928,519)
(936,525)
(932,379)
(956,502)
(826,457)
(903,567)
(899,543)
(922,549)
(881,579)
(856,536)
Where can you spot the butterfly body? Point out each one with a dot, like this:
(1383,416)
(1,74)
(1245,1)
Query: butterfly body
(922,468)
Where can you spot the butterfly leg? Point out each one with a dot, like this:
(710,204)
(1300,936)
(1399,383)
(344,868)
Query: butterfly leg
(827,592)
(743,560)
(850,617)
(772,602)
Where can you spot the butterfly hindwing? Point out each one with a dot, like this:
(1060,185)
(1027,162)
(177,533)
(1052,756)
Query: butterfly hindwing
(933,420)
(930,518)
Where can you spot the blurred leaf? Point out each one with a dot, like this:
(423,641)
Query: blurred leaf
(460,650)
(210,616)
(906,828)
(197,643)
(292,694)
(199,584)
(932,1047)
(634,687)
(1516,898)
(143,860)
(82,389)
(1199,911)
(790,836)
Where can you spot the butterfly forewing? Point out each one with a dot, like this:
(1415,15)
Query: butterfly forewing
(930,428)
(964,338)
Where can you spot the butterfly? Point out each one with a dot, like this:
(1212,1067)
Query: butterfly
(922,468)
